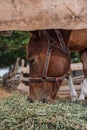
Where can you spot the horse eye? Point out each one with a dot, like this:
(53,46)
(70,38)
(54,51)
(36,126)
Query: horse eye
(31,60)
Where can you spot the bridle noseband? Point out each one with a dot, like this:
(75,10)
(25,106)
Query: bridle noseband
(51,42)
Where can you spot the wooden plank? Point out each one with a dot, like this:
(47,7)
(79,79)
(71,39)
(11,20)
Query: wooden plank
(76,66)
(40,14)
(67,88)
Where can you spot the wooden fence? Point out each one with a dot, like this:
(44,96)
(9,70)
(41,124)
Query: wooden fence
(18,76)
(76,67)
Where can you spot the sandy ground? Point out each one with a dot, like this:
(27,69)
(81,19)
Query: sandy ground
(4,93)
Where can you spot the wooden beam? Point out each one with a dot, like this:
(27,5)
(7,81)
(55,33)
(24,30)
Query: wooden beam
(40,14)
(76,66)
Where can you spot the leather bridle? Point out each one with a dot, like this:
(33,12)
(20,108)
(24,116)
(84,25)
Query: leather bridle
(51,42)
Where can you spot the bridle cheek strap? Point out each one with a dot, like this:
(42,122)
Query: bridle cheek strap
(47,60)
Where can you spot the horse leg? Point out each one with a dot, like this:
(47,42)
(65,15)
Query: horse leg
(83,57)
(73,93)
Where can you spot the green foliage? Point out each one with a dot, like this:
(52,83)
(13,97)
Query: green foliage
(75,57)
(18,114)
(13,47)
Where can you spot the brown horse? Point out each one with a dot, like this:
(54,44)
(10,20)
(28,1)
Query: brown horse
(58,64)
(78,42)
(48,63)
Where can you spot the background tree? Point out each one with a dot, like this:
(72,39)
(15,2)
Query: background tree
(12,46)
(75,57)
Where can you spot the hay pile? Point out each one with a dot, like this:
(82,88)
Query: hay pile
(17,114)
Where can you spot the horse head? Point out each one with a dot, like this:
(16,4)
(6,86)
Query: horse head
(48,63)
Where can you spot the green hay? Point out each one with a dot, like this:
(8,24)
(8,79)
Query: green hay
(17,114)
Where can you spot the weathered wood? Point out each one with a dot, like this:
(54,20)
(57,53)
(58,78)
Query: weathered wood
(76,66)
(10,80)
(41,14)
(16,67)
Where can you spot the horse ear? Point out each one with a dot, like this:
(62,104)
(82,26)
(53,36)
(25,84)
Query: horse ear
(40,33)
(35,34)
(27,48)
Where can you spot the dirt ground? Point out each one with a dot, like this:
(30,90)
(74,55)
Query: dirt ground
(4,93)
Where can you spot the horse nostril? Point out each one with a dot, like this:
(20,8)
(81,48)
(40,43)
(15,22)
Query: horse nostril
(43,100)
(29,99)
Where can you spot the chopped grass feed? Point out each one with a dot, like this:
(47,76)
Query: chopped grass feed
(18,114)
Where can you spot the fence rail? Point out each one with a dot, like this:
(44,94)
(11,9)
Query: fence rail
(76,66)
(16,77)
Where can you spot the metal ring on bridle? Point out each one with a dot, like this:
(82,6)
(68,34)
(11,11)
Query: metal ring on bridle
(51,41)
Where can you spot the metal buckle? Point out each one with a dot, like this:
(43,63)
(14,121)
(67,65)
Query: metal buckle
(51,41)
